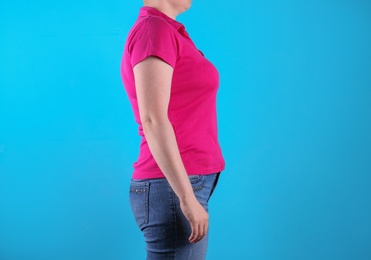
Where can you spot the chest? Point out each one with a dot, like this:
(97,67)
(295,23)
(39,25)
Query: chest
(194,74)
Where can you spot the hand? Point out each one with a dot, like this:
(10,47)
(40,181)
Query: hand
(197,216)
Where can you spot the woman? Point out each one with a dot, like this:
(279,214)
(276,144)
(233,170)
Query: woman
(172,89)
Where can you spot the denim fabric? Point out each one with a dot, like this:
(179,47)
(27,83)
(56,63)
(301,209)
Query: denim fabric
(157,212)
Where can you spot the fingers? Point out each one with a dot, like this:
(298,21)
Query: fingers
(197,217)
(198,232)
(194,235)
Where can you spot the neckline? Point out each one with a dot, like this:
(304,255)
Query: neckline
(147,10)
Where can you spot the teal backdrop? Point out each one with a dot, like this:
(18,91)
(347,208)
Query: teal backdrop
(294,111)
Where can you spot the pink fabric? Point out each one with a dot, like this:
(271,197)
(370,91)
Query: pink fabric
(192,107)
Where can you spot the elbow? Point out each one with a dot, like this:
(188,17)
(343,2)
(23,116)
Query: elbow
(153,123)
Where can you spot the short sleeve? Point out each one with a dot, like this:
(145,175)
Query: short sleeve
(153,37)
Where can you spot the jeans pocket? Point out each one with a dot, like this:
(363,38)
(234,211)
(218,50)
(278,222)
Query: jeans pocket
(197,182)
(138,196)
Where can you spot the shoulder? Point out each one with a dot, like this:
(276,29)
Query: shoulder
(153,36)
(152,30)
(153,24)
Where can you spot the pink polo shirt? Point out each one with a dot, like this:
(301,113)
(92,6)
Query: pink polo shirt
(192,106)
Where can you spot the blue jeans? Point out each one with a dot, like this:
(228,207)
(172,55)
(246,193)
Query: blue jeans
(157,212)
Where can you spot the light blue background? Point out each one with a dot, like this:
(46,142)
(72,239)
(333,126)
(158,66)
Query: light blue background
(294,114)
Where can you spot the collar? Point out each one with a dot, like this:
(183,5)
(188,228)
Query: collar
(150,11)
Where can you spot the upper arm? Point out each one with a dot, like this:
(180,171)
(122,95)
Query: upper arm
(153,79)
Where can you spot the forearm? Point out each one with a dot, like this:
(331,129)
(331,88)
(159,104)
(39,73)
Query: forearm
(164,148)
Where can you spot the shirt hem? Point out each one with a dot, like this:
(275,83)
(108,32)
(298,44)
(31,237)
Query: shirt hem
(157,175)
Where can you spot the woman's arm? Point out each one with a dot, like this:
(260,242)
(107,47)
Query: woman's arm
(153,85)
